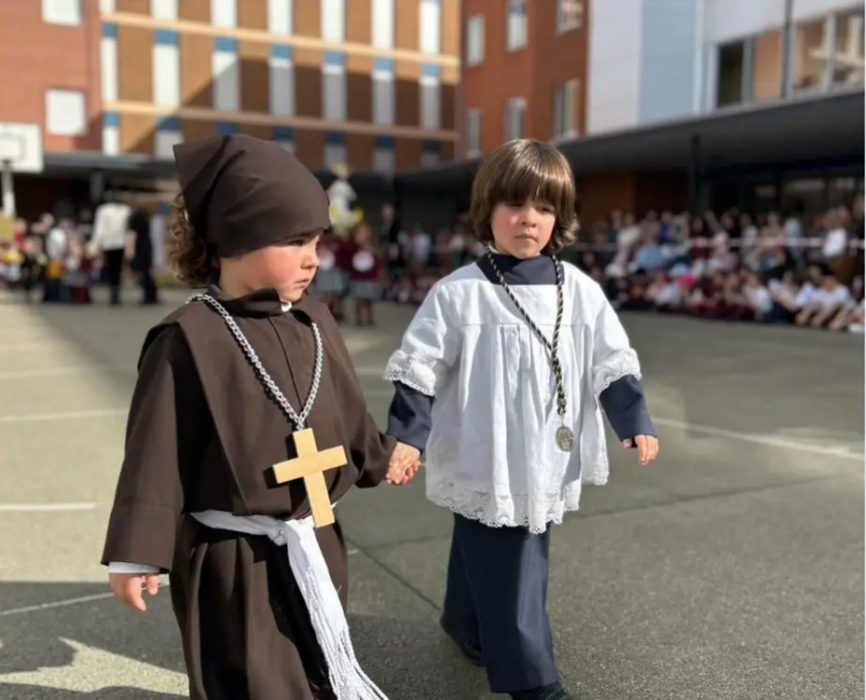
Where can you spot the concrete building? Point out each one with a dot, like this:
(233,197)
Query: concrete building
(665,103)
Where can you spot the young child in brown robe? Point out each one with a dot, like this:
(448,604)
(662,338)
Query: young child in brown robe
(198,496)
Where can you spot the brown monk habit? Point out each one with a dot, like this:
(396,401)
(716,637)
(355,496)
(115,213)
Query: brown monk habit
(202,435)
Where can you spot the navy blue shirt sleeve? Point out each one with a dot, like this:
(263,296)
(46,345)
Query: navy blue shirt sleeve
(625,406)
(410,416)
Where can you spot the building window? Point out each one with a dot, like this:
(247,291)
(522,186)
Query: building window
(515,117)
(334,87)
(335,149)
(383,24)
(516,25)
(282,78)
(280,16)
(164,9)
(765,76)
(569,15)
(475,40)
(110,133)
(730,75)
(226,83)
(430,97)
(166,68)
(473,133)
(383,155)
(66,12)
(108,62)
(430,154)
(812,55)
(334,20)
(848,54)
(65,113)
(565,109)
(168,134)
(383,91)
(430,30)
(285,137)
(224,13)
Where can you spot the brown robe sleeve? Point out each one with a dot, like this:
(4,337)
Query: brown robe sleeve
(163,439)
(370,450)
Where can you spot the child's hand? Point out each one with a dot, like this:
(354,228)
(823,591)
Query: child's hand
(404,465)
(648,448)
(127,588)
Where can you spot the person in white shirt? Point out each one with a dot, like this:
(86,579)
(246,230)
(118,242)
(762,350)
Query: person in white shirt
(757,296)
(501,378)
(832,297)
(110,229)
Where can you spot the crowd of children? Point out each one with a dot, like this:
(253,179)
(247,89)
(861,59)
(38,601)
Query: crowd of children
(49,261)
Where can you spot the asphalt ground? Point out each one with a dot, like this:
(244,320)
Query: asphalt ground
(732,568)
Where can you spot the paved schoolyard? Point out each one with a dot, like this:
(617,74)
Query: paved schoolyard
(733,568)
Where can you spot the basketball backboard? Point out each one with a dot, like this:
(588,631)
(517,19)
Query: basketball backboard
(21,146)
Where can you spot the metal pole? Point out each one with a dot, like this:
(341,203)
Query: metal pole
(786,49)
(8,190)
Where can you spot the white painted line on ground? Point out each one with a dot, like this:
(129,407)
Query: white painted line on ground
(65,602)
(56,604)
(65,415)
(768,440)
(52,371)
(44,507)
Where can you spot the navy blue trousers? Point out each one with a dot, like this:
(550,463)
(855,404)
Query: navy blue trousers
(497,601)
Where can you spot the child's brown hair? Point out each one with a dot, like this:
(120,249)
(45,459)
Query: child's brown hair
(190,257)
(520,170)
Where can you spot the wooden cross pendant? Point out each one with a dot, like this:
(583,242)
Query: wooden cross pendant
(309,465)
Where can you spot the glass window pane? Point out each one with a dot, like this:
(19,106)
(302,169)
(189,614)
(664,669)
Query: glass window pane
(767,66)
(848,61)
(730,89)
(810,51)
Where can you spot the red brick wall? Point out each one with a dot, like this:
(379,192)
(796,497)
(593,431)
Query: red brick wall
(533,72)
(30,53)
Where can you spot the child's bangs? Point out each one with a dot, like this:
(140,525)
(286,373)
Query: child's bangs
(540,179)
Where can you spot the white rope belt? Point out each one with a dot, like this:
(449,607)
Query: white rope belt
(348,679)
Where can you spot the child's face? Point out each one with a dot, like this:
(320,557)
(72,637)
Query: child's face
(522,230)
(289,268)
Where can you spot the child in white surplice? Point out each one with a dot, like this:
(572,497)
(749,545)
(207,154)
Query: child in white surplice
(500,379)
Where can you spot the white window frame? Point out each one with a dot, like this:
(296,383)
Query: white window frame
(475,29)
(517,25)
(280,14)
(515,105)
(566,21)
(224,13)
(333,19)
(58,106)
(164,9)
(64,12)
(382,17)
(430,26)
(166,75)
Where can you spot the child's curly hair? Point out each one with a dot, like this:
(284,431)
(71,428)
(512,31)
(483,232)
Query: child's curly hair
(190,257)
